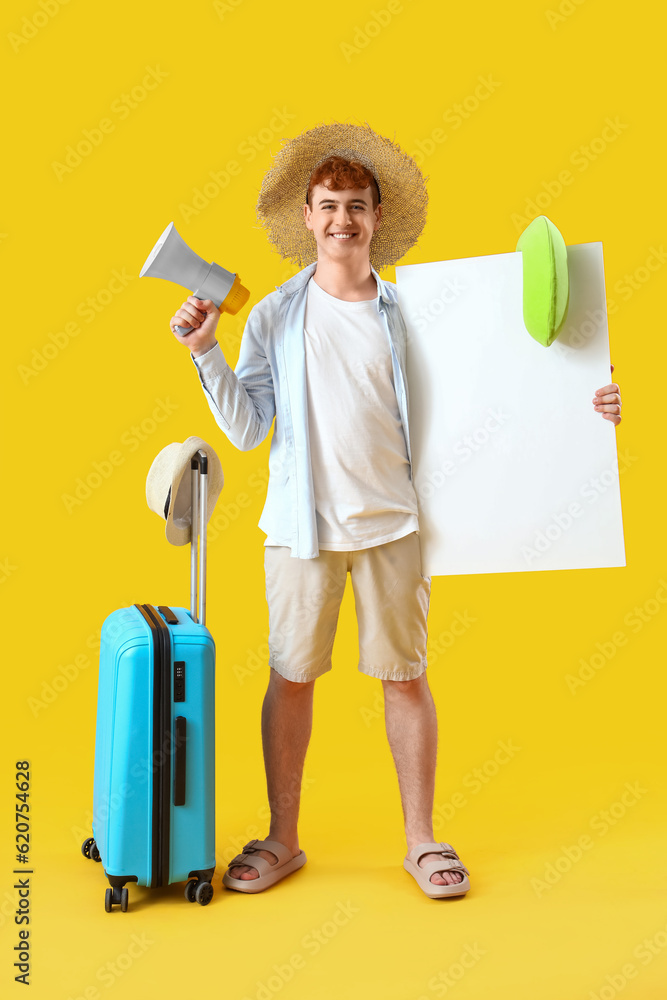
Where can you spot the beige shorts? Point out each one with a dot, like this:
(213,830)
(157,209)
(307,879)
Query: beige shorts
(391,598)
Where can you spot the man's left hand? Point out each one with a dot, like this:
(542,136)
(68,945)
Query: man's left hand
(607,401)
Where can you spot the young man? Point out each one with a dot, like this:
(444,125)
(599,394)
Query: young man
(325,355)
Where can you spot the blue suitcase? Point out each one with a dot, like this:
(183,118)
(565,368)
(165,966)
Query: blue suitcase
(154,786)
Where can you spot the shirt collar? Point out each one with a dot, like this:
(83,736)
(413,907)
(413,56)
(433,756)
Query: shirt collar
(302,277)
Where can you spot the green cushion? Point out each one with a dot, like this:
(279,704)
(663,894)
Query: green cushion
(546,288)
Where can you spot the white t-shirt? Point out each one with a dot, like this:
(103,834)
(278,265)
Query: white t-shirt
(361,474)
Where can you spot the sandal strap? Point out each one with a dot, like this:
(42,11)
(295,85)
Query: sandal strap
(444,865)
(441,847)
(256,861)
(240,859)
(280,851)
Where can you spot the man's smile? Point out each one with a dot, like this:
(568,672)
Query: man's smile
(344,217)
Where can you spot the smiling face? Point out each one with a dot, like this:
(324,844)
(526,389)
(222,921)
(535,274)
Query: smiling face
(343,222)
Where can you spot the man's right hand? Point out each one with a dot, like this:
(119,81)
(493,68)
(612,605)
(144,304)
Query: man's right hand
(203,317)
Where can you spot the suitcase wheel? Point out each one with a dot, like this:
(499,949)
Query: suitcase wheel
(90,850)
(204,893)
(114,896)
(190,889)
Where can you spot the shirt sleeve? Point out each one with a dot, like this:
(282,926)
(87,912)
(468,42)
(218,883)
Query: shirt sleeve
(242,400)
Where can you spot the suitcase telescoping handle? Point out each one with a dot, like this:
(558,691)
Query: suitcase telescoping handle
(199,476)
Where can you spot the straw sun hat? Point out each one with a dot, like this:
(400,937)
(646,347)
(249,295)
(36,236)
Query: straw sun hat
(401,183)
(169,486)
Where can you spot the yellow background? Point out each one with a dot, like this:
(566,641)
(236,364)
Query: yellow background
(225,71)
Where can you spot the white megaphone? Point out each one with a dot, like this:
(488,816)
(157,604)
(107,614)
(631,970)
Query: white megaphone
(172,259)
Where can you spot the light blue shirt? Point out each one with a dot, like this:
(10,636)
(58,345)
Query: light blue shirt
(270,381)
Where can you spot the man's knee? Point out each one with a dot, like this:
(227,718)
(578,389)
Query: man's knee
(417,684)
(288,687)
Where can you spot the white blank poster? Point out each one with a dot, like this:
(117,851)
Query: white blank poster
(514,469)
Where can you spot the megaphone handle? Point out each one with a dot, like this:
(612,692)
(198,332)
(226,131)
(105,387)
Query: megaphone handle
(182,330)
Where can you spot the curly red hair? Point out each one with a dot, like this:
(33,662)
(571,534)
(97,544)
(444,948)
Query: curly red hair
(340,173)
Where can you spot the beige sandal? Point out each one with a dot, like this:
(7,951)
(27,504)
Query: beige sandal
(450,862)
(269,873)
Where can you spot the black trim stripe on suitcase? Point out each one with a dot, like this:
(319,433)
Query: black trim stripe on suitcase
(161,742)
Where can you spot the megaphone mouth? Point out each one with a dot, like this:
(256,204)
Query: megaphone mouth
(156,249)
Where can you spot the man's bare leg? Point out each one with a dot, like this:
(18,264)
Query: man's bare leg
(412,731)
(287,719)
